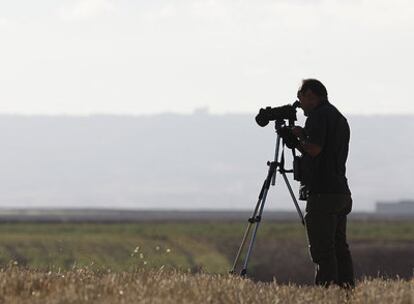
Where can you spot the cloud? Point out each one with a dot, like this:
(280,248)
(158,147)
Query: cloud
(85,9)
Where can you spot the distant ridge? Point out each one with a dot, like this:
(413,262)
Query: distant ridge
(403,207)
(177,161)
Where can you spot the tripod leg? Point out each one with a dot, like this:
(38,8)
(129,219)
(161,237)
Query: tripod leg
(293,198)
(258,219)
(236,260)
(276,158)
(247,231)
(270,179)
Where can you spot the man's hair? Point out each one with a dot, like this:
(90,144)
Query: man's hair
(315,86)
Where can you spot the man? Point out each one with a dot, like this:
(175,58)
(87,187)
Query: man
(324,145)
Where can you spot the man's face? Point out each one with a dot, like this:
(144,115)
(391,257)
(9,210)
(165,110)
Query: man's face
(308,100)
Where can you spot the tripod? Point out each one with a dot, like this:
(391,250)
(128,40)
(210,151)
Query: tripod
(258,211)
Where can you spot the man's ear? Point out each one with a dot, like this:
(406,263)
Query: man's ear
(314,98)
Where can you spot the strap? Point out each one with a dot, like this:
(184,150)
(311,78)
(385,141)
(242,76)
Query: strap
(282,159)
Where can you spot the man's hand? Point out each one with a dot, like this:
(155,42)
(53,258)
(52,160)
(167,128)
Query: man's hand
(304,146)
(298,132)
(290,140)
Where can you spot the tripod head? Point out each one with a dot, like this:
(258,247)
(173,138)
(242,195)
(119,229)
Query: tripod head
(280,165)
(281,123)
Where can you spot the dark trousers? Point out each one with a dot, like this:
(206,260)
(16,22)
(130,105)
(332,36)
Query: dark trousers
(326,228)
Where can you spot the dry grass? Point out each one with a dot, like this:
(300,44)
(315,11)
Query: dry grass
(170,286)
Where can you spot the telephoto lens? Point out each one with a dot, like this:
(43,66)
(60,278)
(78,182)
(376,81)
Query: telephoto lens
(286,112)
(262,118)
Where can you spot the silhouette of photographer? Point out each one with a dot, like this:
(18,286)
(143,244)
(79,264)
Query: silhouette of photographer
(324,145)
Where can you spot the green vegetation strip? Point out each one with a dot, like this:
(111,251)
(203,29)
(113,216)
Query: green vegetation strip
(181,245)
(378,230)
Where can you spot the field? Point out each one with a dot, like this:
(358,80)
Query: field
(159,262)
(379,247)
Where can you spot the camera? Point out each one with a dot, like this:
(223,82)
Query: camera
(298,168)
(286,112)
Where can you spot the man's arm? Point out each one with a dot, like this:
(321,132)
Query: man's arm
(312,149)
(304,146)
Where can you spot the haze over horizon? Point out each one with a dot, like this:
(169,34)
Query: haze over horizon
(175,161)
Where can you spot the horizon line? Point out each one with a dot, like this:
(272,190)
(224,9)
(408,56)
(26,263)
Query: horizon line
(196,112)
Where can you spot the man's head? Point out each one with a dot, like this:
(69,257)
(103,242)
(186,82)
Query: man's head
(311,93)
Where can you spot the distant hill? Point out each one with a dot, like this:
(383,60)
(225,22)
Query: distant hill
(180,161)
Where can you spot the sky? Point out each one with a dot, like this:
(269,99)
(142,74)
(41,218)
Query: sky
(81,57)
